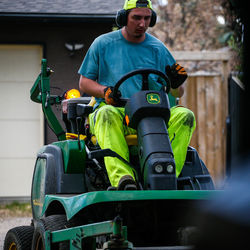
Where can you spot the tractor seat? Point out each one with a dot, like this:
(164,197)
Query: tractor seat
(89,101)
(131,139)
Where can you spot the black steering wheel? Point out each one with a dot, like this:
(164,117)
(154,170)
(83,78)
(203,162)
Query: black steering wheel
(145,86)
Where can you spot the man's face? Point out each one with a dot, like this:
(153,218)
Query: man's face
(138,21)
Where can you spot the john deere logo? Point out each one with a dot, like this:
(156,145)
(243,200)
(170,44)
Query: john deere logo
(153,98)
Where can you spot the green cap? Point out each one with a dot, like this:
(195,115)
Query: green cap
(131,4)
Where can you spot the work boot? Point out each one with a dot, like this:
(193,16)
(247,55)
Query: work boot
(127,183)
(111,188)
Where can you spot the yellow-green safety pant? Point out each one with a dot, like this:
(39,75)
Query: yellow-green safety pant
(107,124)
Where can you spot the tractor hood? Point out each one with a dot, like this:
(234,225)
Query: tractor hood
(76,203)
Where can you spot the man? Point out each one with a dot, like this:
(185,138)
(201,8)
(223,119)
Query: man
(113,55)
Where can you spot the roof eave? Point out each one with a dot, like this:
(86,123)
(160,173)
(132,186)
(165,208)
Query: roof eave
(48,17)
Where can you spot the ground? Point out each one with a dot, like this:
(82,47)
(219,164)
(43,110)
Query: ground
(13,215)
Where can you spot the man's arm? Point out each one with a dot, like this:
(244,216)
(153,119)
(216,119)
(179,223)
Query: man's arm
(91,87)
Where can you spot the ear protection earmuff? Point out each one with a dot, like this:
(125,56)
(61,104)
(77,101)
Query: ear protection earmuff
(122,18)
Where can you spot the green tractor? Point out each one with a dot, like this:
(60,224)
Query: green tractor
(71,206)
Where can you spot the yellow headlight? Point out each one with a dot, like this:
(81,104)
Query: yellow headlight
(72,93)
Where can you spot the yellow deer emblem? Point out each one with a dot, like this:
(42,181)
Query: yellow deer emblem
(153,98)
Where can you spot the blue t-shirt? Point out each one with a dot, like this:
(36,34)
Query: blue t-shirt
(111,56)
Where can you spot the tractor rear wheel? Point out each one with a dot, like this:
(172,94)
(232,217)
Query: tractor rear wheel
(19,238)
(52,223)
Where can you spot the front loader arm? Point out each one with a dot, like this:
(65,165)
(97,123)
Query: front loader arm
(40,93)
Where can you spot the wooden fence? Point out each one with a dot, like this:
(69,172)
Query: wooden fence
(206,94)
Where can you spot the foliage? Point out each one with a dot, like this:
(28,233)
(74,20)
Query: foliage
(15,209)
(234,20)
(190,24)
(193,25)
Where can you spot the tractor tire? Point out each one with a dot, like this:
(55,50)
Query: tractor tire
(52,223)
(19,238)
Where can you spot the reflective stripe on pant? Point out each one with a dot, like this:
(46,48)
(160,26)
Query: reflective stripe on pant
(106,123)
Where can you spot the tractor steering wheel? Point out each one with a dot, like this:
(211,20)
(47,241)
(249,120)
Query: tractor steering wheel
(145,86)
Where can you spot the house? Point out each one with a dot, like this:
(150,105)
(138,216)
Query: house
(30,31)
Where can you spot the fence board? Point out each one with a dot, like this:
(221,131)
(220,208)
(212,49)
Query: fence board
(220,121)
(210,123)
(201,55)
(190,101)
(200,117)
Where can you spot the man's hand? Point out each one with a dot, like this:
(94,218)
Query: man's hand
(176,74)
(110,99)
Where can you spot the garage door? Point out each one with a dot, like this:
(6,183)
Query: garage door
(21,122)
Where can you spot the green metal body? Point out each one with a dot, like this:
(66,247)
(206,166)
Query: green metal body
(74,156)
(38,186)
(73,160)
(40,93)
(77,234)
(74,204)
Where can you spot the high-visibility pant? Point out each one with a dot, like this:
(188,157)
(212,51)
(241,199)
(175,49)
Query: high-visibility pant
(107,124)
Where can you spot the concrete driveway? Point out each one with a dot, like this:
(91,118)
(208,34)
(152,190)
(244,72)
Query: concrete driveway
(10,222)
